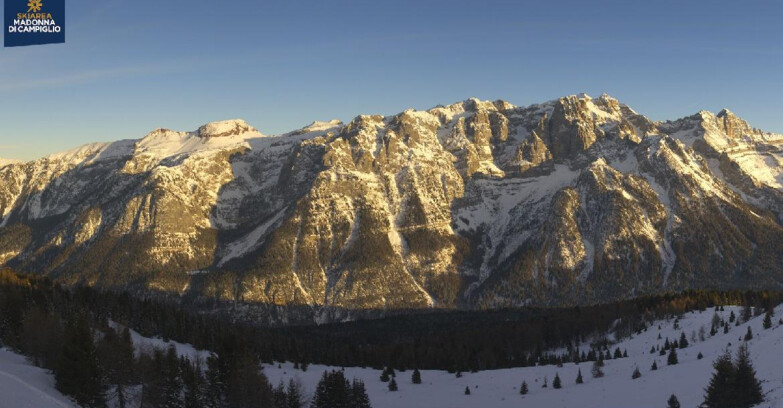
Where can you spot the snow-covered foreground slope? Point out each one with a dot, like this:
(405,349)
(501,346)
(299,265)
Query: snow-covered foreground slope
(23,385)
(500,388)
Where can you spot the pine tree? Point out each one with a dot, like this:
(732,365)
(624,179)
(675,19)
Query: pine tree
(673,402)
(193,383)
(279,396)
(749,334)
(579,379)
(636,374)
(767,320)
(725,329)
(359,397)
(294,396)
(556,382)
(523,388)
(172,381)
(215,393)
(385,376)
(393,385)
(720,393)
(246,385)
(546,384)
(683,340)
(732,317)
(618,353)
(672,359)
(416,376)
(467,390)
(153,393)
(78,372)
(746,386)
(747,313)
(654,366)
(115,354)
(333,390)
(700,356)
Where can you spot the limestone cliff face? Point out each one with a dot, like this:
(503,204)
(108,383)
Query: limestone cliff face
(475,204)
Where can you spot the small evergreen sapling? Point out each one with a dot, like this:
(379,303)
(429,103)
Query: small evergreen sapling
(393,385)
(767,321)
(556,382)
(683,340)
(636,374)
(579,379)
(467,390)
(672,359)
(416,376)
(523,389)
(673,402)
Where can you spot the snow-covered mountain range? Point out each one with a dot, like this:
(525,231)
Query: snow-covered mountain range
(476,204)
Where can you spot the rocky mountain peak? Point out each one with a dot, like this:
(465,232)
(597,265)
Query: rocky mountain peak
(5,162)
(225,128)
(317,126)
(725,112)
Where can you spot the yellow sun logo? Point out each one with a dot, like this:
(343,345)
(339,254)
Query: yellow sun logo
(35,5)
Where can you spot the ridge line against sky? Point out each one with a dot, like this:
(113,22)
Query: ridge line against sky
(129,67)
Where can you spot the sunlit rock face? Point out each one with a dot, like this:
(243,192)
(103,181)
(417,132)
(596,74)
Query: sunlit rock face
(477,204)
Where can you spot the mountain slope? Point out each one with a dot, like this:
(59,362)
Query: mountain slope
(475,204)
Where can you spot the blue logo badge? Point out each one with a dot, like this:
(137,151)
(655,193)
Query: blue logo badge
(32,22)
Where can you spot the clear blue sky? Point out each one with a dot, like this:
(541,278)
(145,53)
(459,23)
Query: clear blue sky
(129,66)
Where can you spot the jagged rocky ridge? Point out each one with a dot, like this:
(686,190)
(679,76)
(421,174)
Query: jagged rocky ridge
(476,204)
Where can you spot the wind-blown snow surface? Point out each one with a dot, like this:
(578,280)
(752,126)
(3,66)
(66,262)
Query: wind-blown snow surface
(23,385)
(500,388)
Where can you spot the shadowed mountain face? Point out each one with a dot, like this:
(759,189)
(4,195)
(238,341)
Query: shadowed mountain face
(476,204)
